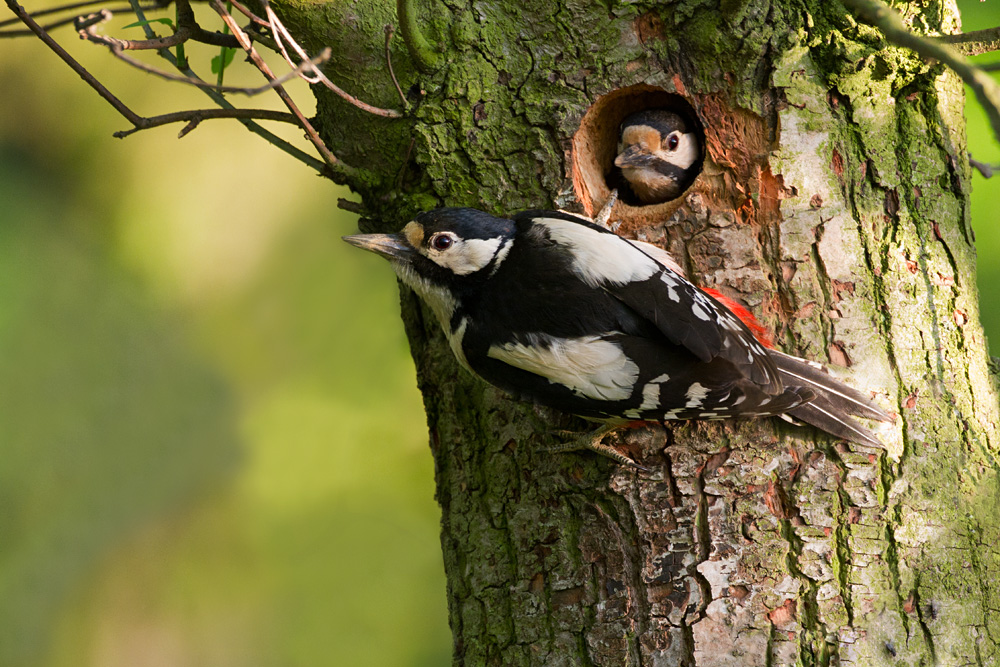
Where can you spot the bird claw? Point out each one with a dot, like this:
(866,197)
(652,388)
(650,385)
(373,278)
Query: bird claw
(593,441)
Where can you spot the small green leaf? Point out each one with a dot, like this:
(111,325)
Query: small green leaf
(221,61)
(165,21)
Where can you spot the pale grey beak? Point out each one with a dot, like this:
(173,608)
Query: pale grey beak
(390,246)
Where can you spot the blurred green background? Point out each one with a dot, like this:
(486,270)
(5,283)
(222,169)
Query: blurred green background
(212,449)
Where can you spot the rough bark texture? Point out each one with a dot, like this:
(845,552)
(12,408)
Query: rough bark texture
(835,204)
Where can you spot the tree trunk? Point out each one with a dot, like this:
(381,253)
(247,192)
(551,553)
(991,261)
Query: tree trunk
(834,203)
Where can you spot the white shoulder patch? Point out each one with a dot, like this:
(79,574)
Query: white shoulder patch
(600,257)
(590,366)
(660,255)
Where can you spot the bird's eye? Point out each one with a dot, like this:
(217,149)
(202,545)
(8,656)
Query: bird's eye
(673,141)
(441,241)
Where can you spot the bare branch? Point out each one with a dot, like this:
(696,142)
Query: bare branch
(119,106)
(195,116)
(888,21)
(87,27)
(249,14)
(352,206)
(62,8)
(388,62)
(281,144)
(337,166)
(61,22)
(974,43)
(987,170)
(281,35)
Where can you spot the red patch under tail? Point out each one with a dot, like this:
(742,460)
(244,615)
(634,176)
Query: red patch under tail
(758,330)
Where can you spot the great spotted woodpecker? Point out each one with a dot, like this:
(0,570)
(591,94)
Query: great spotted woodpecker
(659,154)
(555,309)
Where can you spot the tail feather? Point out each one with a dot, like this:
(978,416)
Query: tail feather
(834,404)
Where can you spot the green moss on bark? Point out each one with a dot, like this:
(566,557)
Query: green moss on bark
(809,551)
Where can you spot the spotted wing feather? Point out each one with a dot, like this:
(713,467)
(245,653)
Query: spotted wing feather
(682,312)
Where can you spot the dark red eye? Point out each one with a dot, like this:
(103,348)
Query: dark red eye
(673,141)
(441,242)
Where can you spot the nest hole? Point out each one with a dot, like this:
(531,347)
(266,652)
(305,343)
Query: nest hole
(595,146)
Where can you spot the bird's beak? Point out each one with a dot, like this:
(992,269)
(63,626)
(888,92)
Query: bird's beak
(634,156)
(390,246)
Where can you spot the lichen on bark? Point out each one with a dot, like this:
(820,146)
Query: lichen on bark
(836,207)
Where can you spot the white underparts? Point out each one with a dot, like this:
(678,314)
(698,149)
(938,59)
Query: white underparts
(441,303)
(589,366)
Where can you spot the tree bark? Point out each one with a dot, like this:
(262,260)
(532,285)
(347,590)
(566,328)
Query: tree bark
(834,203)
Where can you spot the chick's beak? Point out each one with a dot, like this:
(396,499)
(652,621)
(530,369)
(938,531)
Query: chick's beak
(390,246)
(634,156)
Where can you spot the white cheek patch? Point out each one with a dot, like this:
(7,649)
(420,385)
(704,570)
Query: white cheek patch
(590,366)
(465,256)
(685,154)
(599,257)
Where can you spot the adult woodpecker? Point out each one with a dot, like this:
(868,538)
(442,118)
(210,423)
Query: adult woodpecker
(555,309)
(659,154)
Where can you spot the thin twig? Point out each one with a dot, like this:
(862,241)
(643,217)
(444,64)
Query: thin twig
(352,206)
(281,33)
(87,27)
(974,43)
(57,24)
(138,120)
(388,61)
(281,144)
(277,29)
(118,105)
(197,115)
(62,8)
(888,21)
(334,163)
(147,29)
(987,170)
(249,14)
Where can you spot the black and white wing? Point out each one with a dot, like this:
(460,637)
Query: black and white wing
(632,273)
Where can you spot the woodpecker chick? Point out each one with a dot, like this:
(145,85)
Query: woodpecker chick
(557,310)
(659,154)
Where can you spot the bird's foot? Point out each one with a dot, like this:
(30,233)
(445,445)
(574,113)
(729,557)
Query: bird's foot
(593,441)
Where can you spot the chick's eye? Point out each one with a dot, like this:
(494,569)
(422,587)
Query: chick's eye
(673,141)
(441,242)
